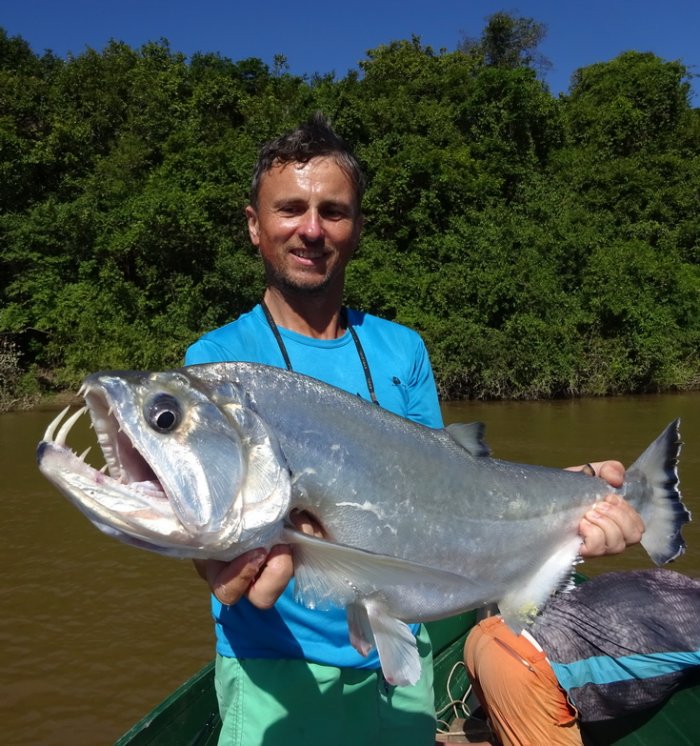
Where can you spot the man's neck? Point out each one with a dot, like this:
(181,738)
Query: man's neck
(316,317)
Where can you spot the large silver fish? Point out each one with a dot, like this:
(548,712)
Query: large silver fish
(209,461)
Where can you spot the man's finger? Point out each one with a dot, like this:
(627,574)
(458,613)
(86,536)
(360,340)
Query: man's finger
(273,577)
(229,581)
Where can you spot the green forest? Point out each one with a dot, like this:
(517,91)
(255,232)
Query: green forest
(544,246)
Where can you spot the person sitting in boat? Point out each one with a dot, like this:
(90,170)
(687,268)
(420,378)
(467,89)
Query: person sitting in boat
(616,644)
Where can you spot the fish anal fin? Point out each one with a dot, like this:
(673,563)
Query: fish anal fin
(520,606)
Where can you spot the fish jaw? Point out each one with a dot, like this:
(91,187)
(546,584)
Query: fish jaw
(201,487)
(128,512)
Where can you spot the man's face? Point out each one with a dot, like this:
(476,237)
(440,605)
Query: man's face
(306,226)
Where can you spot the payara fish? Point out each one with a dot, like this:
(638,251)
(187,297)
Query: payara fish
(209,461)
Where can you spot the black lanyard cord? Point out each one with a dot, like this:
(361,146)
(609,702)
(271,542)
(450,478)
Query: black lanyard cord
(278,336)
(353,334)
(363,359)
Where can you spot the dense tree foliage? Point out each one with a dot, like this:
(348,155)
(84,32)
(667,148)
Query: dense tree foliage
(543,246)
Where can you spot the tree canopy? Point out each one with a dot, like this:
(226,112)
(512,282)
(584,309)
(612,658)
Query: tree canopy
(543,246)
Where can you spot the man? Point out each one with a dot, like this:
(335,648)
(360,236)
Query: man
(286,674)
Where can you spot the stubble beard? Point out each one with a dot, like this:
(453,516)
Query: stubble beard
(298,288)
(299,285)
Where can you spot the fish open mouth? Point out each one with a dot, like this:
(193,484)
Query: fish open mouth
(123,462)
(125,495)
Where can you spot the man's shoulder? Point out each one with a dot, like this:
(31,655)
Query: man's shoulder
(226,342)
(377,325)
(241,325)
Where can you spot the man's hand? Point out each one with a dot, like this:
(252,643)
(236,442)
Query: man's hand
(259,575)
(613,524)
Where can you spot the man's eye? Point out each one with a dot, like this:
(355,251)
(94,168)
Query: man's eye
(290,210)
(334,213)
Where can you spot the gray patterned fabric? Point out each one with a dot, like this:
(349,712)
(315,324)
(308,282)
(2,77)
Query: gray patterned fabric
(623,641)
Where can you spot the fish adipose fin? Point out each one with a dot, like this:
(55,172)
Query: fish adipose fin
(654,493)
(367,584)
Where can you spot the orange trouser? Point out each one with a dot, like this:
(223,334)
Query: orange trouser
(518,689)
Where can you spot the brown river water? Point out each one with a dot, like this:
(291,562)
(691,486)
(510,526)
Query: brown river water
(93,634)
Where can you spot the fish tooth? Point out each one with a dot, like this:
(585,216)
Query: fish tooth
(67,425)
(48,435)
(84,454)
(104,469)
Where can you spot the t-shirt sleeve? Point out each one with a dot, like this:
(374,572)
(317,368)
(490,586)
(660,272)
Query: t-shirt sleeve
(423,404)
(206,351)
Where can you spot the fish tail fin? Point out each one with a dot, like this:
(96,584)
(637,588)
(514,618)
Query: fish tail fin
(654,492)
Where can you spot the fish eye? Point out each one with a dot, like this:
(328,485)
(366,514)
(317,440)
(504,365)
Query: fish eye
(163,413)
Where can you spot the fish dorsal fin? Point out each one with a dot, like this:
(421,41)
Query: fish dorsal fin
(470,435)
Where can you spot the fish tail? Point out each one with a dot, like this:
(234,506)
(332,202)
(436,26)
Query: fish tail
(654,492)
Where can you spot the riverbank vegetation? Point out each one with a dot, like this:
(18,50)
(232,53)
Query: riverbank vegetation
(544,246)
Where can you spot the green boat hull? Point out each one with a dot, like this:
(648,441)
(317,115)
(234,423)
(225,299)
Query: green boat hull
(190,715)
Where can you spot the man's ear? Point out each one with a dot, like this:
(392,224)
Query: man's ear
(253,230)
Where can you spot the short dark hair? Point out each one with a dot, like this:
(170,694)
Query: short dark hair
(312,139)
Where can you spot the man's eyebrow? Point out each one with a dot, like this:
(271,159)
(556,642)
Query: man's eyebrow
(337,203)
(288,202)
(324,204)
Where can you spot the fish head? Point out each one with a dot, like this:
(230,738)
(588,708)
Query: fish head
(191,469)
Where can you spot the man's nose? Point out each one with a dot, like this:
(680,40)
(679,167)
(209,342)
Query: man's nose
(311,228)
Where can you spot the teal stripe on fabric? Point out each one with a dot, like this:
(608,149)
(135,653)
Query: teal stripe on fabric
(605,670)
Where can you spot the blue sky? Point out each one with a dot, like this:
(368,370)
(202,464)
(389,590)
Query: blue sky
(323,36)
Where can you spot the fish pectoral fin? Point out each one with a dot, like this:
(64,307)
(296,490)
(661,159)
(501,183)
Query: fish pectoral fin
(329,574)
(371,625)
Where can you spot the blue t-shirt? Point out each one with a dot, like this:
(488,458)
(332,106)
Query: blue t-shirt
(404,384)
